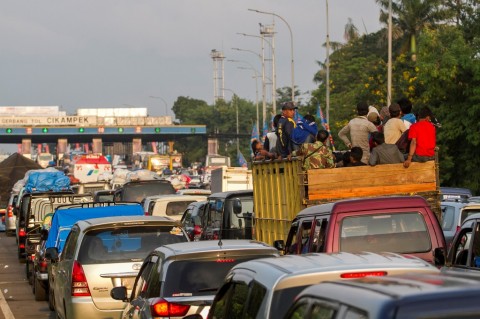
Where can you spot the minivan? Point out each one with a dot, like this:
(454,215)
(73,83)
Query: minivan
(398,224)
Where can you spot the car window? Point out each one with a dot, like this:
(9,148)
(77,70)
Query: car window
(354,313)
(300,311)
(126,243)
(461,246)
(137,192)
(255,299)
(475,262)
(448,217)
(140,286)
(176,208)
(399,233)
(305,230)
(70,244)
(220,305)
(187,220)
(282,299)
(291,244)
(198,277)
(319,235)
(469,212)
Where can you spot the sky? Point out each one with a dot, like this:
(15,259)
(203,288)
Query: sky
(147,53)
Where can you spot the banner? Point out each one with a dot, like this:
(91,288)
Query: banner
(325,125)
(242,162)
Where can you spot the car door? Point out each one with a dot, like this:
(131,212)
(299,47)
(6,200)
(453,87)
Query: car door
(63,270)
(138,299)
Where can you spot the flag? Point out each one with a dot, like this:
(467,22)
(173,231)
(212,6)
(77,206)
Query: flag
(265,130)
(255,135)
(241,160)
(325,125)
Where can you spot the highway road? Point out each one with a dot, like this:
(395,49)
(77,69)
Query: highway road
(16,297)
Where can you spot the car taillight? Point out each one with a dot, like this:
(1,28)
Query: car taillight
(21,232)
(350,275)
(163,308)
(21,246)
(225,260)
(43,266)
(79,281)
(10,211)
(197,230)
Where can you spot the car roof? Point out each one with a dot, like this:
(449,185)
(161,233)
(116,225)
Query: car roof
(231,194)
(198,248)
(364,204)
(130,220)
(290,268)
(455,191)
(453,203)
(176,198)
(400,288)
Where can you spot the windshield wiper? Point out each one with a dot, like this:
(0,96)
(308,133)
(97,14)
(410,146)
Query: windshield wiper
(207,289)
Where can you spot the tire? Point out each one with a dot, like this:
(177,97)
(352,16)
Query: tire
(39,291)
(51,300)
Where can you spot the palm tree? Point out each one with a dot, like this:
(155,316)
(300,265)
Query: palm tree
(351,31)
(410,17)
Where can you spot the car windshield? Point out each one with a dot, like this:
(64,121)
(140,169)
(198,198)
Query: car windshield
(448,217)
(198,277)
(126,244)
(137,192)
(398,233)
(468,212)
(177,208)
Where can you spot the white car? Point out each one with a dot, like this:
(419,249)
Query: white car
(171,206)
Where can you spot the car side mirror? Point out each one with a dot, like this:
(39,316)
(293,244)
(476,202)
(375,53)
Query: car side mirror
(279,245)
(237,206)
(119,293)
(439,256)
(51,253)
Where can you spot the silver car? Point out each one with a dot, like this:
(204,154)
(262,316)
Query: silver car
(181,279)
(102,253)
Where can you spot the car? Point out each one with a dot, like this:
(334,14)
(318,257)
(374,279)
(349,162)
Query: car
(276,281)
(103,196)
(451,219)
(464,253)
(172,206)
(56,229)
(181,279)
(455,194)
(399,224)
(102,253)
(392,297)
(137,191)
(10,217)
(192,219)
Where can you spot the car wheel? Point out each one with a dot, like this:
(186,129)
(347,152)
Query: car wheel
(51,300)
(39,290)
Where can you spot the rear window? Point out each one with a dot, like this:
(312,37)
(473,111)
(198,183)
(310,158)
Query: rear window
(448,217)
(136,193)
(126,244)
(173,208)
(198,277)
(468,212)
(398,233)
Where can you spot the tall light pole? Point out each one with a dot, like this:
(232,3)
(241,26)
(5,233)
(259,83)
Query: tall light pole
(264,102)
(274,73)
(163,100)
(291,46)
(256,76)
(327,98)
(234,100)
(389,65)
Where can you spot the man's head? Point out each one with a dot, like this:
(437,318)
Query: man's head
(405,105)
(288,109)
(378,138)
(394,110)
(322,135)
(356,154)
(256,145)
(362,108)
(425,113)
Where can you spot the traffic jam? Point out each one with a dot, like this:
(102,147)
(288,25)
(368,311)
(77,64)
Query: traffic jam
(129,243)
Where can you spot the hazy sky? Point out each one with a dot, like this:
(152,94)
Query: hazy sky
(115,53)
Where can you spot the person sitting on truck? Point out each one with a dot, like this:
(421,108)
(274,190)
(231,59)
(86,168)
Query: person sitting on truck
(286,124)
(271,138)
(356,154)
(395,127)
(259,153)
(422,139)
(359,129)
(384,153)
(305,131)
(317,155)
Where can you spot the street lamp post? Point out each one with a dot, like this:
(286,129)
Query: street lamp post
(291,46)
(163,100)
(256,82)
(389,65)
(327,84)
(264,102)
(274,73)
(234,100)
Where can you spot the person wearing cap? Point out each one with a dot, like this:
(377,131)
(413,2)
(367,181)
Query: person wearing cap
(394,127)
(359,129)
(286,124)
(422,137)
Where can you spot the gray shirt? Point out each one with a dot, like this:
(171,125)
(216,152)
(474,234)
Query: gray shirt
(359,129)
(385,154)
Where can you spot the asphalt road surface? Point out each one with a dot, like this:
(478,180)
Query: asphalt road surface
(16,297)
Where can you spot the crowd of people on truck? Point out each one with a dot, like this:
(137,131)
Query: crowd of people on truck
(392,135)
